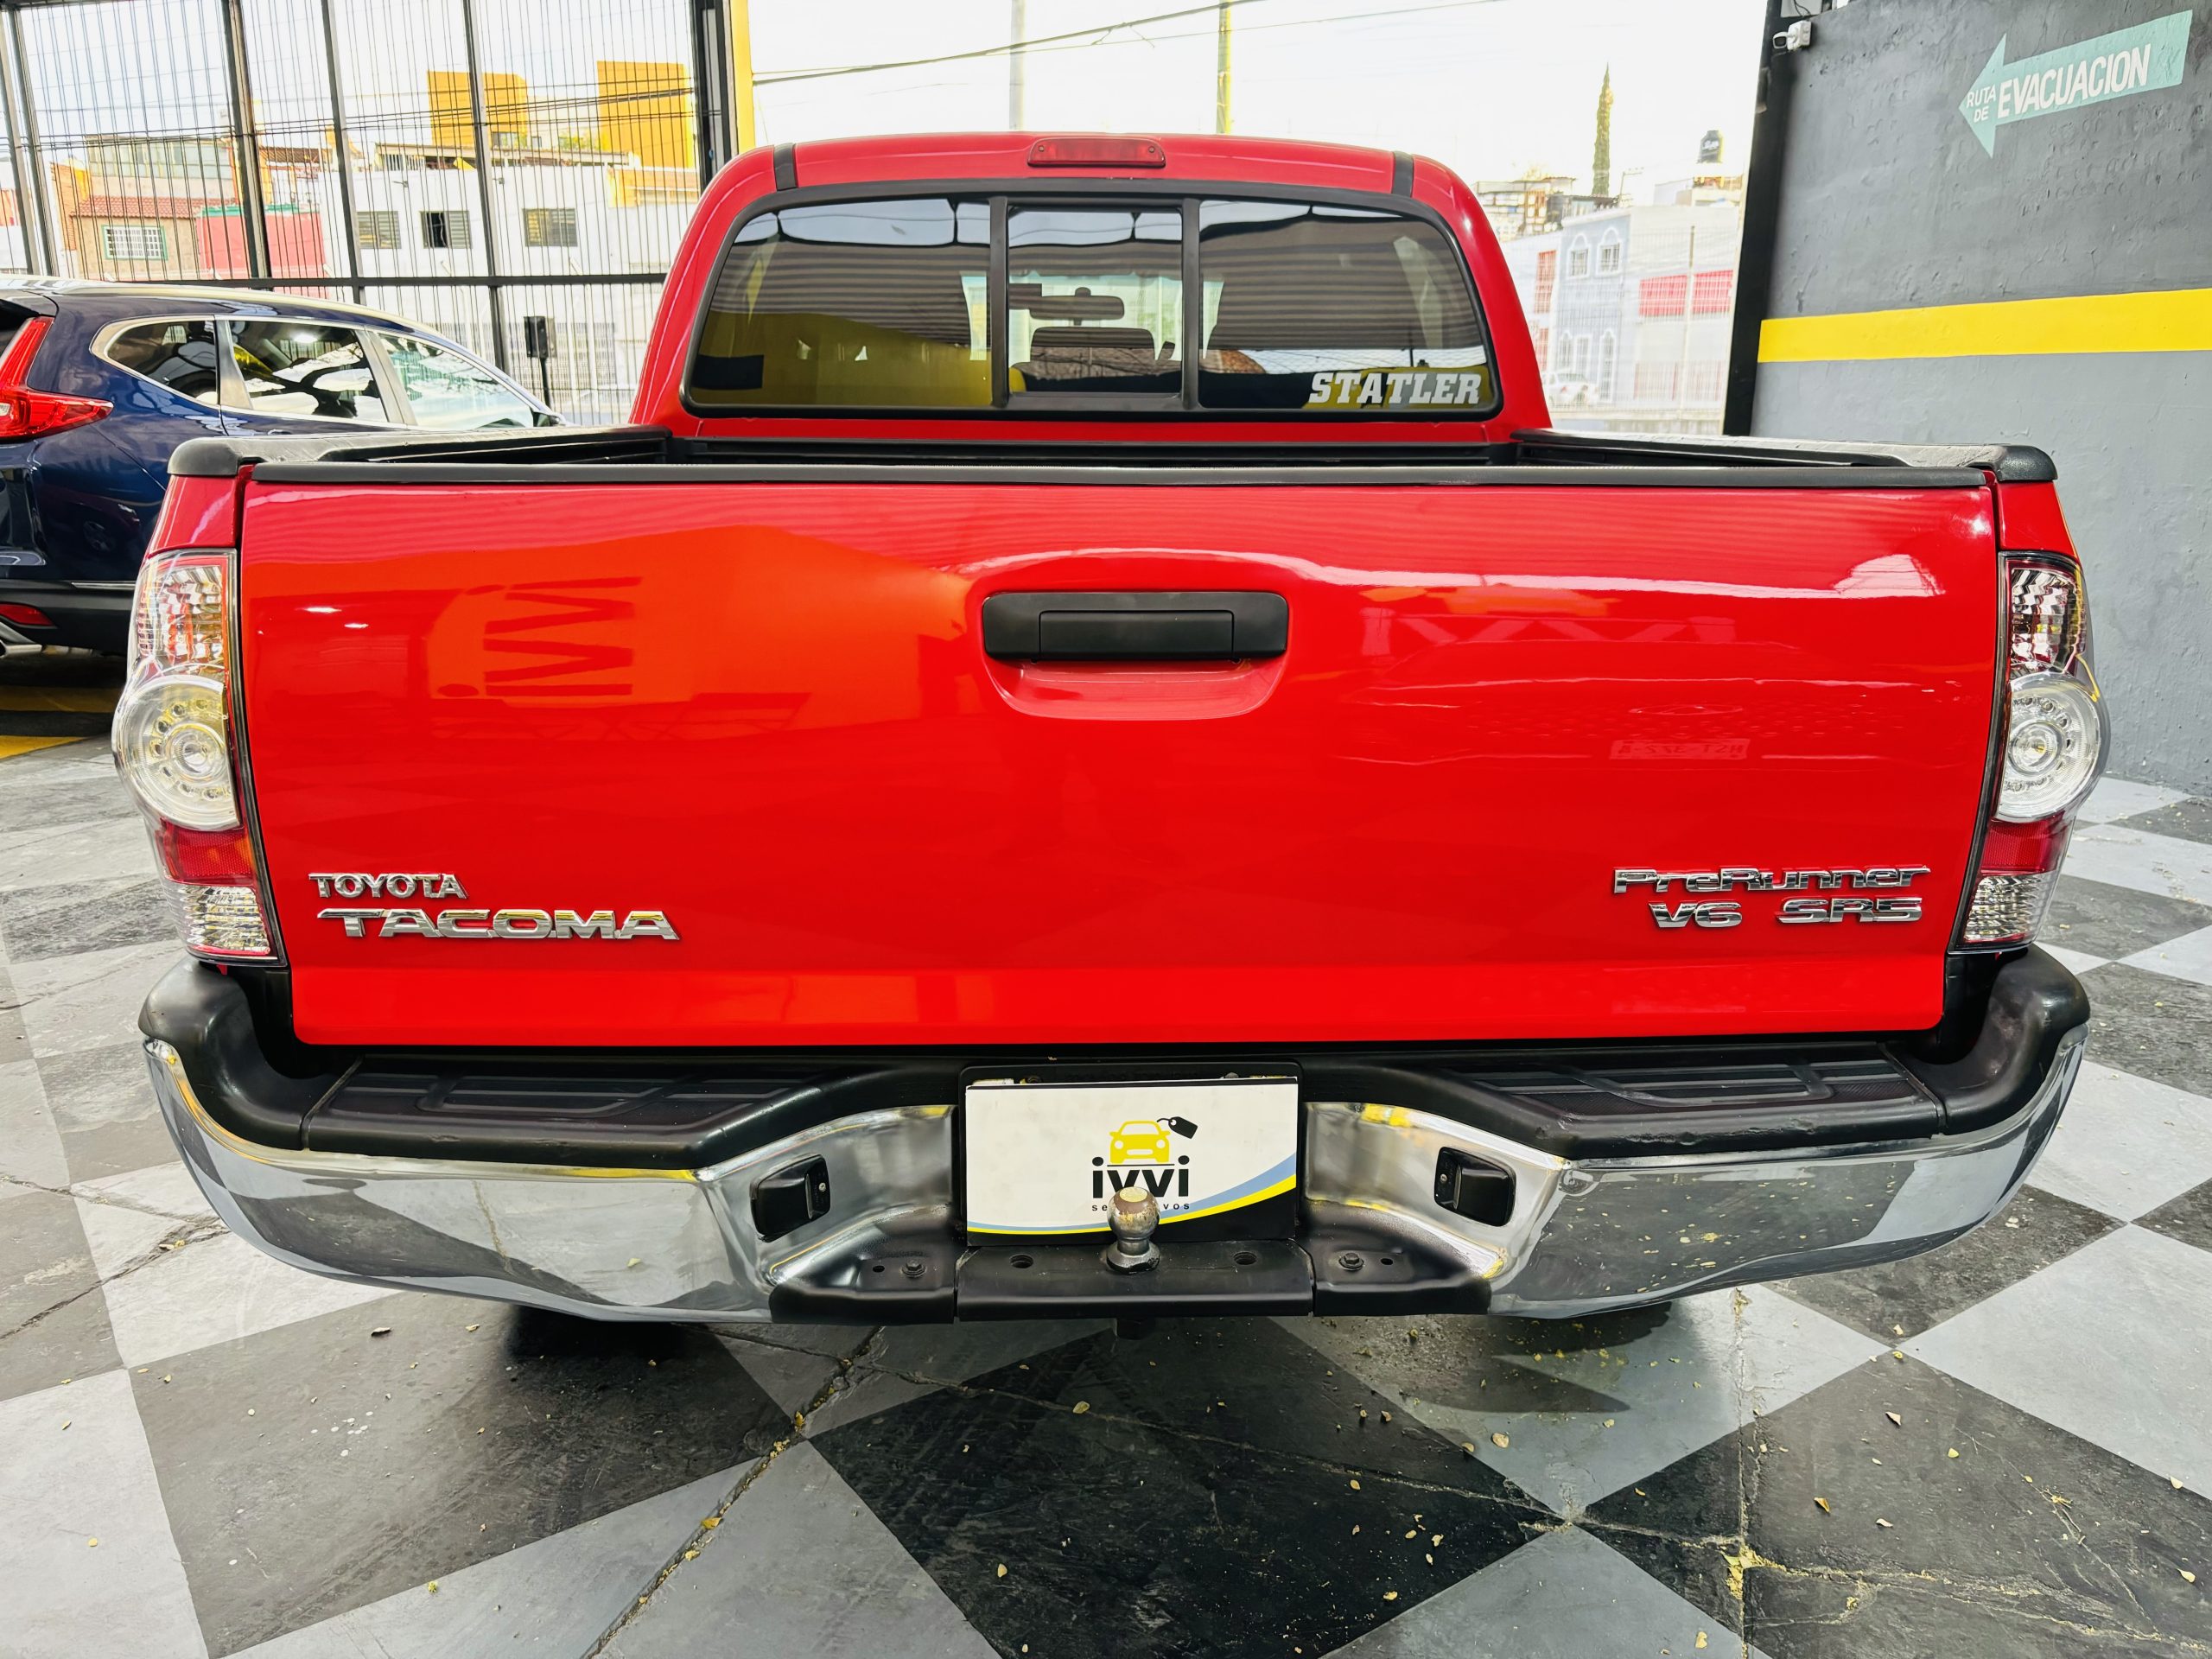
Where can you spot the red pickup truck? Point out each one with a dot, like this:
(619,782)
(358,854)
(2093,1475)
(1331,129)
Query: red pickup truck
(1091,697)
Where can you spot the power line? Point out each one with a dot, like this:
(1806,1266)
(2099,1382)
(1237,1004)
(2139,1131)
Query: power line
(1295,23)
(1079,39)
(1089,33)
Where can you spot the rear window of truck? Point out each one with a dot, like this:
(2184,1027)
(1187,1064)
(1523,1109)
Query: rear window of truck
(969,304)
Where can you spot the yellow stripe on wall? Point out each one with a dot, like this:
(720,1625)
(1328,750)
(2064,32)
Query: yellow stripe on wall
(2171,320)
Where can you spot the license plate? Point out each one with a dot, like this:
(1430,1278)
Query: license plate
(1043,1156)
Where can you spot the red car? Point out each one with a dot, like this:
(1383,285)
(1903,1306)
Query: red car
(1087,632)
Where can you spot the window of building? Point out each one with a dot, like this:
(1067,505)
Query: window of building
(449,392)
(445,227)
(1334,308)
(376,227)
(295,368)
(548,227)
(1608,254)
(1608,357)
(1662,296)
(1546,279)
(179,355)
(863,304)
(1543,344)
(134,241)
(1712,292)
(1578,258)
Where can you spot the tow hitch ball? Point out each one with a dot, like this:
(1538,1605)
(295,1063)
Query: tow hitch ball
(1133,1218)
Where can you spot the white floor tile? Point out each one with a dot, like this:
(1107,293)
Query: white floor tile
(30,1143)
(2126,1144)
(60,1489)
(2187,957)
(90,1001)
(557,1596)
(76,852)
(1582,1420)
(1566,1596)
(214,1290)
(840,1583)
(2116,798)
(2079,961)
(2111,1344)
(2123,857)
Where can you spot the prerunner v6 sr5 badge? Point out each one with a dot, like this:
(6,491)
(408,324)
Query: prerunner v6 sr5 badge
(1045,1157)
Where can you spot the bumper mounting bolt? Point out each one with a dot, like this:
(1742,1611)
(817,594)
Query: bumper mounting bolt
(912,1269)
(1352,1261)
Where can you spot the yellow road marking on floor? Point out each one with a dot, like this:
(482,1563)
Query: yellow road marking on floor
(2169,320)
(12,747)
(65,699)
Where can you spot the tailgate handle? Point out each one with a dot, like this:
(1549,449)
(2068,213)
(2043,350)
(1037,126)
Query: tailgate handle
(1135,627)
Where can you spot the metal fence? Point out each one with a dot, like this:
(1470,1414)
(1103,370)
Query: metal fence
(474,164)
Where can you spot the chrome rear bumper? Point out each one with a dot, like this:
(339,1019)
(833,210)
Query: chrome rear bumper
(1583,1236)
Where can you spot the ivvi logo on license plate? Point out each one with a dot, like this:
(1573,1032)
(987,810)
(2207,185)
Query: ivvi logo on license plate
(1045,1157)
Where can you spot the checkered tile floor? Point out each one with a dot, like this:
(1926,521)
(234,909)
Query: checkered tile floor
(2000,1449)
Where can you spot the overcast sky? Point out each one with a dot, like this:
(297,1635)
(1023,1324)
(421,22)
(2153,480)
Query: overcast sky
(1489,87)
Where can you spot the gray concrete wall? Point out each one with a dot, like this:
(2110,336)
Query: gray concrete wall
(1889,200)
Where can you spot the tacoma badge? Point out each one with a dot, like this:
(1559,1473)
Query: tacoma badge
(408,922)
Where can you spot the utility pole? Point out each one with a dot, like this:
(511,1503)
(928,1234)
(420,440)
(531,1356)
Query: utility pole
(1221,65)
(494,294)
(1017,68)
(1689,322)
(245,146)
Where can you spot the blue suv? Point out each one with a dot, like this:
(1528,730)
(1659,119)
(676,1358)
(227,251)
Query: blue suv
(100,381)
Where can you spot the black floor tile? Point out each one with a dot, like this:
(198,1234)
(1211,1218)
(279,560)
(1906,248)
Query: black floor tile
(1903,1298)
(2152,1024)
(53,1318)
(105,1109)
(2028,1542)
(68,920)
(1157,1520)
(369,1465)
(1250,1381)
(2107,921)
(2188,1217)
(2190,820)
(33,805)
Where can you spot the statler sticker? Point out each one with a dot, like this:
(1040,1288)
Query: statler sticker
(1418,388)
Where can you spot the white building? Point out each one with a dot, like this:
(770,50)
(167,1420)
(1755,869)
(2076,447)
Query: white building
(1632,309)
(419,212)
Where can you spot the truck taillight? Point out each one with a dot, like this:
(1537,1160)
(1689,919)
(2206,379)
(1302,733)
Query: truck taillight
(173,745)
(2053,749)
